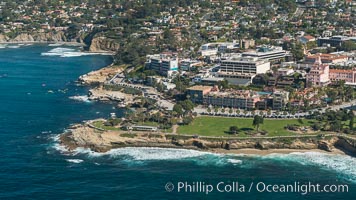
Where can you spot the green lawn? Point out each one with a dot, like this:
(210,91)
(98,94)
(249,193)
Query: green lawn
(219,126)
(100,124)
(148,123)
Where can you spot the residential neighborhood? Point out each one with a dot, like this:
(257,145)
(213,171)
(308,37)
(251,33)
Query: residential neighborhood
(252,57)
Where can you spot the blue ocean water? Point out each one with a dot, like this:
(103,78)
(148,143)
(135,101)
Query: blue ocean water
(35,106)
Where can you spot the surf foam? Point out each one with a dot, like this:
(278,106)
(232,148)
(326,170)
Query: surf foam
(77,161)
(69,52)
(83,98)
(342,164)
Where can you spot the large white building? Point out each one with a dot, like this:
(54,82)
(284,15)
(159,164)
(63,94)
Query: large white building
(270,53)
(162,63)
(241,70)
(212,49)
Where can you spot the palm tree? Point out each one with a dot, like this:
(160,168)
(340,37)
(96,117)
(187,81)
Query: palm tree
(238,111)
(231,111)
(223,110)
(245,112)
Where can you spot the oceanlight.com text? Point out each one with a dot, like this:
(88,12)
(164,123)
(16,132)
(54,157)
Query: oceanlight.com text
(261,187)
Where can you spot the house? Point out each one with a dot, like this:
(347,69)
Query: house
(307,38)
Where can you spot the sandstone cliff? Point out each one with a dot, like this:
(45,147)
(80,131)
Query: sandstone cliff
(101,141)
(36,37)
(3,38)
(24,37)
(50,37)
(103,44)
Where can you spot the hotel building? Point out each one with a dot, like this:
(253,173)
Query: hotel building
(349,76)
(318,75)
(241,70)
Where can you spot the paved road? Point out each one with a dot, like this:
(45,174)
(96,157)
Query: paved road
(149,92)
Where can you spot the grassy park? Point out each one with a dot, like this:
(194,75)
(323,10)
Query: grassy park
(219,126)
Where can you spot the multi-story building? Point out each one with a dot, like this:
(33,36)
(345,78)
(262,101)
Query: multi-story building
(349,76)
(197,92)
(241,70)
(279,100)
(326,58)
(246,43)
(270,53)
(243,99)
(162,63)
(284,71)
(318,75)
(212,49)
(335,41)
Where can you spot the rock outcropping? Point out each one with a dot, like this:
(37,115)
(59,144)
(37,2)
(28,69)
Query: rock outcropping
(101,141)
(3,38)
(103,44)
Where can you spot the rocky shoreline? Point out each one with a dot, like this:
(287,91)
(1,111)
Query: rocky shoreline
(95,45)
(100,76)
(83,135)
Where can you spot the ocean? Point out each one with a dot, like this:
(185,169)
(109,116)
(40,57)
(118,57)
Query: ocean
(37,86)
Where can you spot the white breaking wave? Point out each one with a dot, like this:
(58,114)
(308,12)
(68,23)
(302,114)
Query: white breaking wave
(151,153)
(75,160)
(13,46)
(81,98)
(57,146)
(146,153)
(141,154)
(234,161)
(55,45)
(342,164)
(69,52)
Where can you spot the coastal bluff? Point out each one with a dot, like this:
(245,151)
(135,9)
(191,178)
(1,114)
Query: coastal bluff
(35,37)
(84,135)
(103,44)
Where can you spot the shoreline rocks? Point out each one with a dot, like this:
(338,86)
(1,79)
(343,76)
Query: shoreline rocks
(102,141)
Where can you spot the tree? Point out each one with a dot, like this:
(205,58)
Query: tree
(222,110)
(300,121)
(178,109)
(216,109)
(231,111)
(233,129)
(257,121)
(316,126)
(187,105)
(351,123)
(348,46)
(336,125)
(187,120)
